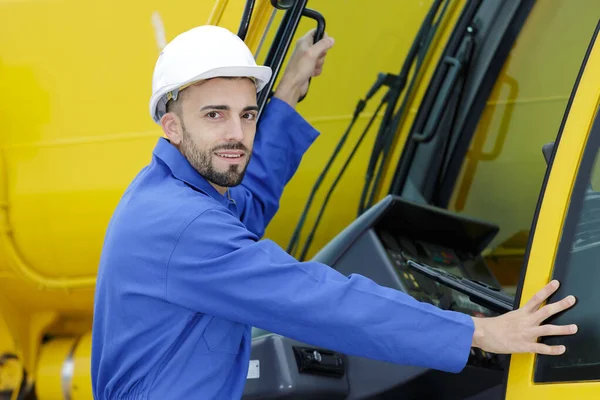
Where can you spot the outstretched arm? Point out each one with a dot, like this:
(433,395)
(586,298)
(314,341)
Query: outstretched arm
(220,268)
(282,138)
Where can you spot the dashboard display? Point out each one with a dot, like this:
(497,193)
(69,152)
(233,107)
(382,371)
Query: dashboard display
(402,249)
(442,258)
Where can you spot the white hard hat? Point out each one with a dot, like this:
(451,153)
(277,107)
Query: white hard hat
(201,53)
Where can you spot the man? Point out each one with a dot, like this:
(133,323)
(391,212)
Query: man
(184,275)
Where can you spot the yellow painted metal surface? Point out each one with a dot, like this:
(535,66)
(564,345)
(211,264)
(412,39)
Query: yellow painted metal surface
(64,369)
(13,341)
(54,369)
(549,228)
(228,13)
(11,375)
(81,385)
(75,128)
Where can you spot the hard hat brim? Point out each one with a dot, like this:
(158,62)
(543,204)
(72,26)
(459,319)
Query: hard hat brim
(261,75)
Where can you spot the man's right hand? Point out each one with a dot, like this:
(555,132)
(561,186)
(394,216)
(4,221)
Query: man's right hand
(518,331)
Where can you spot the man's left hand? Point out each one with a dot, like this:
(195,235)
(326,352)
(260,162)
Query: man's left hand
(518,331)
(306,62)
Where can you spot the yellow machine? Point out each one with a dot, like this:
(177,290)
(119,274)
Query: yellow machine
(467,95)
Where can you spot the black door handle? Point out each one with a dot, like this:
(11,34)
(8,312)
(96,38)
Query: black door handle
(319,33)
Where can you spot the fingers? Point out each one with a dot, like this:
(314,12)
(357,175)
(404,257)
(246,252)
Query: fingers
(551,330)
(554,308)
(541,348)
(554,330)
(319,67)
(320,48)
(308,39)
(541,296)
(309,36)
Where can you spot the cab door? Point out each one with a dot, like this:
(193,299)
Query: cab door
(565,245)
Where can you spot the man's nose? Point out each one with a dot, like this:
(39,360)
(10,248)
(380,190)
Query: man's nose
(235,131)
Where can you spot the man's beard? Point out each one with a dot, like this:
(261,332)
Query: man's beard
(202,162)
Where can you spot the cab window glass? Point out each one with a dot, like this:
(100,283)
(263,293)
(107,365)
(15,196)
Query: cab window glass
(577,267)
(501,176)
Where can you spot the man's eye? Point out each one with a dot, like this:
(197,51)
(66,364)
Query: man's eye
(212,114)
(250,116)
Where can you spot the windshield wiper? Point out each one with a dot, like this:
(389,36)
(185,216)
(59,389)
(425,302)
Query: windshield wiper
(459,68)
(438,110)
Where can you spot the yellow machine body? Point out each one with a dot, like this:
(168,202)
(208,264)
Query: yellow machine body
(75,78)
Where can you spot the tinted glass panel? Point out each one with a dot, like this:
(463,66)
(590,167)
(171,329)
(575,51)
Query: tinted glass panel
(503,172)
(577,267)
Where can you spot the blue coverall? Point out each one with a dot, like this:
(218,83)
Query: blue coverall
(184,275)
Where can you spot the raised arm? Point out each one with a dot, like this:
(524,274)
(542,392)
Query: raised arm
(282,138)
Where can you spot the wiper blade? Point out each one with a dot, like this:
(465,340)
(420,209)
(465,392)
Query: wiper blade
(478,292)
(459,47)
(459,69)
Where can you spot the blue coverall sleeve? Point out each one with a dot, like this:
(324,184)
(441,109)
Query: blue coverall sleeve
(220,268)
(282,138)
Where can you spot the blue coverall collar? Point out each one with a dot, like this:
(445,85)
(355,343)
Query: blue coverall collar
(183,170)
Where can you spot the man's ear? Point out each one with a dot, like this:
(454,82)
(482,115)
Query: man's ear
(171,127)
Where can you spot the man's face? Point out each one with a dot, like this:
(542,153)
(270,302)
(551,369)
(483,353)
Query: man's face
(217,127)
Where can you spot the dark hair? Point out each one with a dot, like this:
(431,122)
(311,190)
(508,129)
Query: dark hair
(174,106)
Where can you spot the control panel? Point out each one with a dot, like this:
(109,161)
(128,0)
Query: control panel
(425,289)
(384,241)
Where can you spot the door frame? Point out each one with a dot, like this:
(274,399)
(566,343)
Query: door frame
(549,218)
